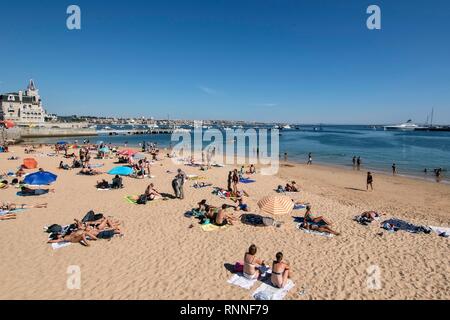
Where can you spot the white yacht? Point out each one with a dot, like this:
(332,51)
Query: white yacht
(407,126)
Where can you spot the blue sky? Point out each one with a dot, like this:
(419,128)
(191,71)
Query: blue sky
(296,61)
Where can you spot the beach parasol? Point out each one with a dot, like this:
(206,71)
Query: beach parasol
(276,204)
(121,171)
(40,178)
(127,152)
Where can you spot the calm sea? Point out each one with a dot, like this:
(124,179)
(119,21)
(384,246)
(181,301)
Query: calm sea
(412,152)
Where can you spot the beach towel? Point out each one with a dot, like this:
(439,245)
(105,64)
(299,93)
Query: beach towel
(299,207)
(241,281)
(441,231)
(194,177)
(211,227)
(395,224)
(5,212)
(21,194)
(60,245)
(107,189)
(268,292)
(313,232)
(246,180)
(130,199)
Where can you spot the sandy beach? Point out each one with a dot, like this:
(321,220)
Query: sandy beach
(160,257)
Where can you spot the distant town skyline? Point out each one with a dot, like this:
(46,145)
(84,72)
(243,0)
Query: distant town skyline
(266,61)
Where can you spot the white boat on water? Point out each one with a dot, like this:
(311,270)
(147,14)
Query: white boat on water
(407,126)
(287,127)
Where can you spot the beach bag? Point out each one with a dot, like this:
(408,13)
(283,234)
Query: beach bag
(239,267)
(54,228)
(142,199)
(90,216)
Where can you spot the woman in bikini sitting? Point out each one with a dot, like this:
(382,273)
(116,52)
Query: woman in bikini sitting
(251,264)
(152,193)
(317,223)
(280,271)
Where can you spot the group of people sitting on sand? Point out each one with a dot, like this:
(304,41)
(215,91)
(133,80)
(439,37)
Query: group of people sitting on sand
(141,169)
(92,227)
(290,187)
(220,216)
(117,183)
(281,269)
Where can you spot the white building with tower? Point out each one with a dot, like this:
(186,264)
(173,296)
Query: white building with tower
(23,108)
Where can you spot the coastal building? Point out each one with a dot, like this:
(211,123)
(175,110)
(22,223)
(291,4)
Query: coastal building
(24,108)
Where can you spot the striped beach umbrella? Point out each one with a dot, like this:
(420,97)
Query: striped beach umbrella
(276,204)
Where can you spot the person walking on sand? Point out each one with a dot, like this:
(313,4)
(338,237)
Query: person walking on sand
(309,159)
(235,180)
(180,178)
(369,181)
(394,169)
(230,181)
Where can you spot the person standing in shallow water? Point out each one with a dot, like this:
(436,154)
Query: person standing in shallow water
(358,163)
(354,162)
(394,169)
(369,181)
(309,159)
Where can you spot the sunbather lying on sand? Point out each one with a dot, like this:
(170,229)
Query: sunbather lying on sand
(252,263)
(8,216)
(35,192)
(7,206)
(371,215)
(78,236)
(281,271)
(89,172)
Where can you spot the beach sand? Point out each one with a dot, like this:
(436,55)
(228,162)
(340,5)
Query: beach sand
(160,257)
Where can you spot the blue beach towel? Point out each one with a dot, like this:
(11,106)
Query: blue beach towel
(245,180)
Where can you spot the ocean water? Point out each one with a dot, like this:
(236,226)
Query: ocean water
(412,152)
